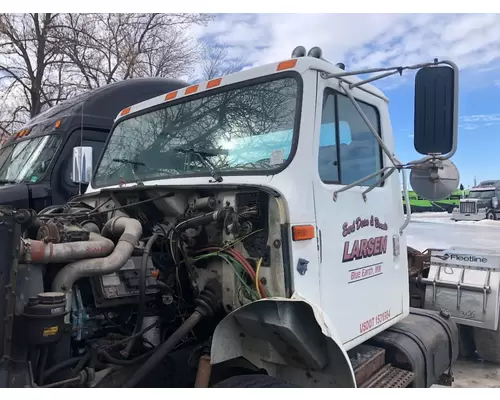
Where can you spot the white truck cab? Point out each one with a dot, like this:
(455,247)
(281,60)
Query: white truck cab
(350,247)
(296,162)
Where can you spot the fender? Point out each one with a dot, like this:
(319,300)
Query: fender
(292,339)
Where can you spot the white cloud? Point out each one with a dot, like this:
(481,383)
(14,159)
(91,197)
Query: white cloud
(468,127)
(480,118)
(363,40)
(477,121)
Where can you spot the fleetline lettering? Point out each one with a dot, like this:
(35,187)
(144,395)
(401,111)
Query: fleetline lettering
(364,248)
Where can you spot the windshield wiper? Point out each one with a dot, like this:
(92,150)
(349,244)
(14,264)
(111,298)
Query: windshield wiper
(4,181)
(124,161)
(203,156)
(132,164)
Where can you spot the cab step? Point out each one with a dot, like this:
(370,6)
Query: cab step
(389,377)
(371,370)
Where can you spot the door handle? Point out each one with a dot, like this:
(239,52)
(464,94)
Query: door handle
(320,246)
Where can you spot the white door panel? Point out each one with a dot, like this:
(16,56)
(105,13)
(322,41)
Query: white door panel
(361,279)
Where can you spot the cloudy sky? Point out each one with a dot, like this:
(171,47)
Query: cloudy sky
(370,40)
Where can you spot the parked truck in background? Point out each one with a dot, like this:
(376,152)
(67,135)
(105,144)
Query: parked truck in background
(481,203)
(247,231)
(36,162)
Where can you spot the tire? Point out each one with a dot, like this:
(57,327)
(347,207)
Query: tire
(491,215)
(253,381)
(450,209)
(487,344)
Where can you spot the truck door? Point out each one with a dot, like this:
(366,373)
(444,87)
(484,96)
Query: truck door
(62,183)
(363,285)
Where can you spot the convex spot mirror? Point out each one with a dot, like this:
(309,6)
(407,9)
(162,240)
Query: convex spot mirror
(82,164)
(436,108)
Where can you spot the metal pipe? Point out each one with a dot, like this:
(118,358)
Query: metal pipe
(130,231)
(36,251)
(204,372)
(162,350)
(142,291)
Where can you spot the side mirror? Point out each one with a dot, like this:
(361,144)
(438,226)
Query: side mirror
(494,202)
(82,164)
(436,110)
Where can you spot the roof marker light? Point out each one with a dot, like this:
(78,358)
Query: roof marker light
(171,96)
(286,65)
(125,111)
(191,89)
(214,83)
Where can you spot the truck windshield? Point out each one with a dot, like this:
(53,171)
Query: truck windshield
(243,129)
(482,194)
(27,160)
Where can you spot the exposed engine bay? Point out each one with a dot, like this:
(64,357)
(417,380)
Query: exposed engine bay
(111,286)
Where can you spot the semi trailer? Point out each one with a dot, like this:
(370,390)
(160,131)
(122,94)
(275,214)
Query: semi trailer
(419,204)
(246,231)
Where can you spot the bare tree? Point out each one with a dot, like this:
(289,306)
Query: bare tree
(216,62)
(10,119)
(46,58)
(30,62)
(105,48)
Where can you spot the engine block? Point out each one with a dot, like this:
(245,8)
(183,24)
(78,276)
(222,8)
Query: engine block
(122,287)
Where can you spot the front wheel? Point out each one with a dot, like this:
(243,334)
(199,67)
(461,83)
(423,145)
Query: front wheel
(253,381)
(491,215)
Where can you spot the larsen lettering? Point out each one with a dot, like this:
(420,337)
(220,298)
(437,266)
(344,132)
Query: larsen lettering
(364,248)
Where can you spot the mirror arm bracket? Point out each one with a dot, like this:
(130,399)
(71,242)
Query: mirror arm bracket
(392,70)
(399,71)
(383,178)
(364,179)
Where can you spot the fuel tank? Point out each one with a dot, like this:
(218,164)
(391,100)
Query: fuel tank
(425,342)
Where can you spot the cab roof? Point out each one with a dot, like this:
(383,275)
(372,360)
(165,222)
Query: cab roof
(300,65)
(97,107)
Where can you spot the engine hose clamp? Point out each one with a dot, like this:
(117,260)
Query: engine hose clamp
(127,237)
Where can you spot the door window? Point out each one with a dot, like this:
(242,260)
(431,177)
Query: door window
(348,150)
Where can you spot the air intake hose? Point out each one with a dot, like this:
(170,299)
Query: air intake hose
(36,251)
(130,231)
